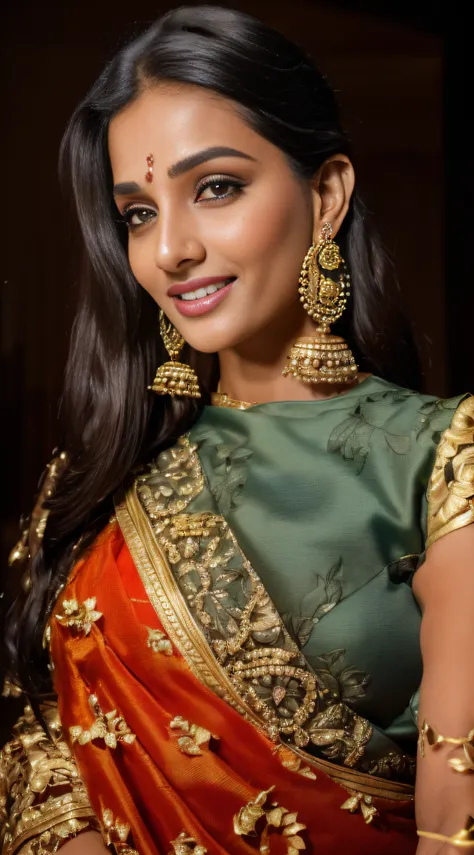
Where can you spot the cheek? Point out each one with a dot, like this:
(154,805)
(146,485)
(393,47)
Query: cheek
(140,258)
(275,249)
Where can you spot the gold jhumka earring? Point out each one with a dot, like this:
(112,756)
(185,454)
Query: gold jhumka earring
(323,358)
(173,377)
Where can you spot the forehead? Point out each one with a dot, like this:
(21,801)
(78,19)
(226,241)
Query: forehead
(173,121)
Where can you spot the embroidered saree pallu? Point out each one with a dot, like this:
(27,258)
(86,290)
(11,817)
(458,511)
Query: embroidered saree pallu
(195,720)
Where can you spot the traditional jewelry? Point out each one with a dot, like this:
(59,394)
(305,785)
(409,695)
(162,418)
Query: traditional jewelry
(436,740)
(149,168)
(323,358)
(463,839)
(173,377)
(220,399)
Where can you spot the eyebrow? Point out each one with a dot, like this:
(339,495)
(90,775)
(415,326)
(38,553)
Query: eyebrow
(185,165)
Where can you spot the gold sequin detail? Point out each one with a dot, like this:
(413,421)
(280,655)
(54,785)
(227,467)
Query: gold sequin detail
(116,833)
(246,819)
(194,736)
(159,642)
(292,762)
(185,845)
(363,803)
(79,616)
(110,727)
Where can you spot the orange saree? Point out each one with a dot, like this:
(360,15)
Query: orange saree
(176,753)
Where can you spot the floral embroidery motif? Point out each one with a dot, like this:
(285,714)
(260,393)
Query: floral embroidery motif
(354,436)
(194,736)
(230,471)
(291,761)
(185,845)
(170,483)
(116,834)
(393,766)
(293,702)
(81,616)
(362,803)
(322,599)
(110,727)
(159,642)
(246,819)
(451,488)
(433,417)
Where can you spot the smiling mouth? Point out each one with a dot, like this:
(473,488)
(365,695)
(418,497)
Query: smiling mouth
(205,292)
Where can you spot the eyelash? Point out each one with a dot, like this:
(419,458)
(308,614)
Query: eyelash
(235,183)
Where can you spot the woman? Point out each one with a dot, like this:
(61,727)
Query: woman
(225,579)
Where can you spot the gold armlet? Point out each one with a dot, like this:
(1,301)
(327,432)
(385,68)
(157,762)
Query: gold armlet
(436,740)
(463,839)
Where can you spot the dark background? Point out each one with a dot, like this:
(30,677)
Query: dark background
(401,78)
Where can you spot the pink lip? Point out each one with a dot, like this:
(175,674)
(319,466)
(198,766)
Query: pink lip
(193,308)
(194,284)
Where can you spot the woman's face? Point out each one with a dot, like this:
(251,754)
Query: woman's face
(219,235)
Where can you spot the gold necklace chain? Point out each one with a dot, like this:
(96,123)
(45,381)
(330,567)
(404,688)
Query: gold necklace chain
(220,399)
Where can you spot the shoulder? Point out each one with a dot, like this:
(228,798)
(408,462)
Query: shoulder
(401,408)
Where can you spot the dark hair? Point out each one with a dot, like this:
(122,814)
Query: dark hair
(112,422)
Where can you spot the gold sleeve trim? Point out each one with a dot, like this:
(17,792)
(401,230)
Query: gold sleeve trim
(43,801)
(451,488)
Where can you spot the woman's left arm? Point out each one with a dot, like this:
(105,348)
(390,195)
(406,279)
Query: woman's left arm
(444,588)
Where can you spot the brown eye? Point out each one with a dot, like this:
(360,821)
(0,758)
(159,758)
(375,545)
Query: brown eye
(218,188)
(137,216)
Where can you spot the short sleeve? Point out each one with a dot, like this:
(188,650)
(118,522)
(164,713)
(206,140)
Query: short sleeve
(450,492)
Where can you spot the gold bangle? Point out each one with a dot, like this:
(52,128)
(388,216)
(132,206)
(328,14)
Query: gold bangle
(463,839)
(435,740)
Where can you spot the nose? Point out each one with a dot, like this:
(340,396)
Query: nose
(178,246)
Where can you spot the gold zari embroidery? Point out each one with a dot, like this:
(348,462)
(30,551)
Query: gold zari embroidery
(158,642)
(238,618)
(363,803)
(436,740)
(194,736)
(246,819)
(116,833)
(292,762)
(43,802)
(80,616)
(51,840)
(451,488)
(185,845)
(110,727)
(463,839)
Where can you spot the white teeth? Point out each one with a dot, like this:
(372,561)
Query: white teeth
(204,292)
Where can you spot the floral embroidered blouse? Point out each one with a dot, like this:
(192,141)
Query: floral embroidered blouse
(327,500)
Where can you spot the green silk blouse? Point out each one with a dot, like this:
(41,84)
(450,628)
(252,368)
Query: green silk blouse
(327,501)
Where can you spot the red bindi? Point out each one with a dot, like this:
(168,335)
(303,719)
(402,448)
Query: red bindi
(149,172)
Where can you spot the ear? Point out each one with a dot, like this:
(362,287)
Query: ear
(332,188)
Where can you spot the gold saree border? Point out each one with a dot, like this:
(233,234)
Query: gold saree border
(173,613)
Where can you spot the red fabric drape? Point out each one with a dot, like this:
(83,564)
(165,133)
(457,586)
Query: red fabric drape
(150,784)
